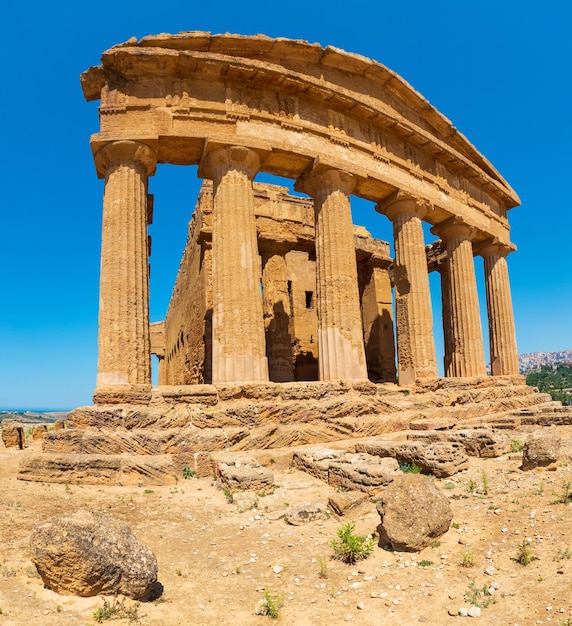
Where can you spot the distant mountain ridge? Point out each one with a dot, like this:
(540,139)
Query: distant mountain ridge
(533,361)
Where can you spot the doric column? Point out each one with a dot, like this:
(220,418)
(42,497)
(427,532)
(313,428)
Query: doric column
(448,339)
(124,345)
(277,314)
(414,318)
(502,336)
(341,352)
(238,353)
(377,318)
(468,358)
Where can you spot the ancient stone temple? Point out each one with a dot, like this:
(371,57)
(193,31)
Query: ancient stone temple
(285,228)
(280,330)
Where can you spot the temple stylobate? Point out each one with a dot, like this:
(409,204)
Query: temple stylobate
(338,124)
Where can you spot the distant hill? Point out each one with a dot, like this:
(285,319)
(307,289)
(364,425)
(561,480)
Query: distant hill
(534,361)
(33,417)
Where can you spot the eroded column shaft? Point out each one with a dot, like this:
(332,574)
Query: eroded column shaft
(468,357)
(340,335)
(448,338)
(238,353)
(124,346)
(502,336)
(414,317)
(277,317)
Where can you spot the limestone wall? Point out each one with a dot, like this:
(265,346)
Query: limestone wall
(285,228)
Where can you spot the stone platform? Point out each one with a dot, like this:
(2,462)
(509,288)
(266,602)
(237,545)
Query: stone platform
(189,426)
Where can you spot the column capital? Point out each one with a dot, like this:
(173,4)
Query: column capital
(494,247)
(324,181)
(216,163)
(402,203)
(119,152)
(454,227)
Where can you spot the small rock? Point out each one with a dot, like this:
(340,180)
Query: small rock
(474,611)
(277,569)
(452,611)
(490,570)
(360,606)
(463,612)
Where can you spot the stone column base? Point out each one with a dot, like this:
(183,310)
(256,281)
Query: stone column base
(124,394)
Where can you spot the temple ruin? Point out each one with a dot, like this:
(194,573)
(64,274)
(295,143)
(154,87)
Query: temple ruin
(280,331)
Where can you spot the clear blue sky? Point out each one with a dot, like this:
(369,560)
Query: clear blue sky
(501,70)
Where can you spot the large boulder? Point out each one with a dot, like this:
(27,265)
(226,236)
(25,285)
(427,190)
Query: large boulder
(541,449)
(413,513)
(87,553)
(12,434)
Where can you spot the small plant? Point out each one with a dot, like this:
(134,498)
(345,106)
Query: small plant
(479,596)
(189,473)
(270,605)
(565,496)
(148,491)
(435,544)
(425,563)
(524,554)
(563,554)
(516,445)
(410,468)
(178,572)
(468,559)
(351,548)
(455,525)
(323,563)
(116,609)
(228,495)
(485,483)
(472,486)
(449,485)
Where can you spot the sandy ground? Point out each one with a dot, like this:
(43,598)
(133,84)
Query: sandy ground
(215,559)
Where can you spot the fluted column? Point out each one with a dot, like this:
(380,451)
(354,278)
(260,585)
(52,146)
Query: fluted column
(448,339)
(124,343)
(341,353)
(414,318)
(502,336)
(277,314)
(468,358)
(239,353)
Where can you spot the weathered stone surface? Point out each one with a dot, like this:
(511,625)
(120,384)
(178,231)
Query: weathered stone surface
(99,469)
(540,449)
(12,434)
(362,472)
(87,553)
(39,431)
(481,442)
(242,473)
(439,459)
(438,423)
(59,425)
(316,462)
(345,501)
(413,513)
(305,512)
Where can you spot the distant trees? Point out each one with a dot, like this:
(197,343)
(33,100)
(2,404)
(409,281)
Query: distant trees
(555,380)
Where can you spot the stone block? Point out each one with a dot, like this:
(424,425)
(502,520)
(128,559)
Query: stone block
(345,501)
(242,473)
(413,513)
(541,449)
(13,434)
(439,459)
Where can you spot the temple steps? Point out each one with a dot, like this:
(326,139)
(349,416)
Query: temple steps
(124,444)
